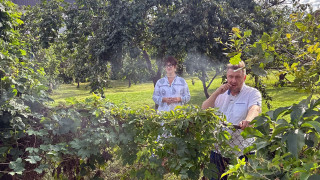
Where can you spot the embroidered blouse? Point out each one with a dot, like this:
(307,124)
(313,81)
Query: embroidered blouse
(178,88)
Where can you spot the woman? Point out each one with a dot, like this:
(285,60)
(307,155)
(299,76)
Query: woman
(171,90)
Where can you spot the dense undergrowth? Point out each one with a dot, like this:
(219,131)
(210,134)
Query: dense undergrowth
(81,138)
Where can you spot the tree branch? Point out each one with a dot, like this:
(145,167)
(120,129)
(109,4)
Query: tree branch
(217,73)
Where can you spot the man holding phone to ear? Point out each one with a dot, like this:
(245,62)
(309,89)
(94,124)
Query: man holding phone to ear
(239,103)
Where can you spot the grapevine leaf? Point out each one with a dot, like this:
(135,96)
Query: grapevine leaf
(41,168)
(235,59)
(33,159)
(17,166)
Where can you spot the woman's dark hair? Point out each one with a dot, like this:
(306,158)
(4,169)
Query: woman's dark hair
(171,60)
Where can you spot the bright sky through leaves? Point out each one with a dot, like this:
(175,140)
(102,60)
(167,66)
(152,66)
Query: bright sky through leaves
(315,3)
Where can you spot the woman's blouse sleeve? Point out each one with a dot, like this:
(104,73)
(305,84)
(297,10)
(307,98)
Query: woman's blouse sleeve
(186,93)
(157,98)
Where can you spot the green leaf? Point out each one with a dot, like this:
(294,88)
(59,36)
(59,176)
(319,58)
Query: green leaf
(264,128)
(275,114)
(314,103)
(268,58)
(260,120)
(262,144)
(33,159)
(45,147)
(3,150)
(21,89)
(16,153)
(41,168)
(31,149)
(277,157)
(311,139)
(248,149)
(310,113)
(17,167)
(247,33)
(84,153)
(209,172)
(297,112)
(258,71)
(301,26)
(314,177)
(147,174)
(278,130)
(71,100)
(295,141)
(23,52)
(314,124)
(224,135)
(304,176)
(282,122)
(265,37)
(183,174)
(235,59)
(251,132)
(76,144)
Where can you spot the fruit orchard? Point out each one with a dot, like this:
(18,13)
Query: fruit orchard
(101,40)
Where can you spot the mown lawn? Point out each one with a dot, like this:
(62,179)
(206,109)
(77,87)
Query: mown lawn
(140,95)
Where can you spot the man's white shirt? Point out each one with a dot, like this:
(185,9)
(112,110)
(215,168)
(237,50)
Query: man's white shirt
(236,108)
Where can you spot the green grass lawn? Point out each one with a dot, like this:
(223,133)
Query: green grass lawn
(139,95)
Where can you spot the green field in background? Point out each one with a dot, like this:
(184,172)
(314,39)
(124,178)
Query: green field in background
(140,95)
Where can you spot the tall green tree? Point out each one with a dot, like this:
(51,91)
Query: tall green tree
(22,95)
(105,30)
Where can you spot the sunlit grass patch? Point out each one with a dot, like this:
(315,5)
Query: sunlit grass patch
(70,90)
(140,95)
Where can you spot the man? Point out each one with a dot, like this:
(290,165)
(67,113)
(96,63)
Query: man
(239,103)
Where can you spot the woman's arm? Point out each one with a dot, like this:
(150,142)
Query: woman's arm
(157,98)
(186,94)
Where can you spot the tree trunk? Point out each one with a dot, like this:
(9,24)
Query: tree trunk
(78,86)
(157,76)
(203,80)
(282,77)
(217,73)
(50,87)
(129,83)
(148,62)
(256,81)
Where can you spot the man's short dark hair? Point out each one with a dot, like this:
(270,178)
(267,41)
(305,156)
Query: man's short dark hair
(171,60)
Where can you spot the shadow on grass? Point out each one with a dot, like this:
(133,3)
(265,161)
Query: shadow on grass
(285,94)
